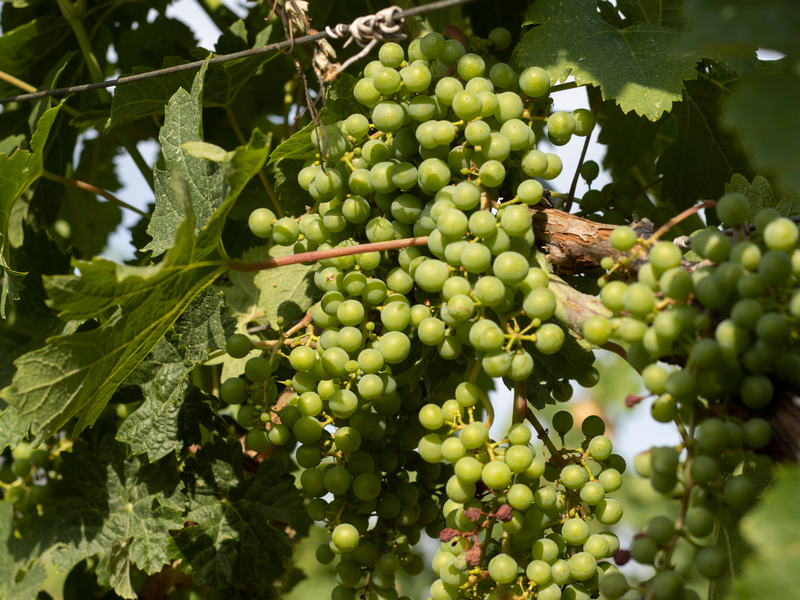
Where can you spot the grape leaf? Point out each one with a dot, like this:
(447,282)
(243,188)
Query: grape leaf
(17,173)
(30,50)
(773,137)
(106,497)
(12,430)
(628,137)
(11,143)
(183,122)
(263,296)
(727,25)
(773,532)
(19,579)
(702,158)
(291,196)
(669,13)
(761,196)
(75,375)
(641,67)
(205,325)
(223,82)
(232,539)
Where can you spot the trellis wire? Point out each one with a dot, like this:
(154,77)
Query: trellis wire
(330,33)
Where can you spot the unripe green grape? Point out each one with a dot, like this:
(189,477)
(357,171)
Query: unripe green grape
(258,440)
(307,430)
(699,521)
(573,476)
(432,45)
(561,124)
(610,479)
(260,222)
(345,537)
(575,532)
(584,122)
(534,82)
(503,568)
(667,585)
(608,511)
(521,366)
(644,550)
(757,433)
(740,492)
(549,338)
(582,566)
(554,166)
(613,586)
(285,231)
(535,163)
(623,238)
(459,491)
(233,390)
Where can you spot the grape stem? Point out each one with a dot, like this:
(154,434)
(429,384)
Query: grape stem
(542,432)
(574,185)
(487,404)
(283,261)
(680,217)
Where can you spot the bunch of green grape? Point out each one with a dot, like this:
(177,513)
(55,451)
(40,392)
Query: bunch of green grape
(731,322)
(25,475)
(517,523)
(444,149)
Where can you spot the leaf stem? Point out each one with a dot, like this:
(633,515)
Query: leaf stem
(570,85)
(82,185)
(261,175)
(283,261)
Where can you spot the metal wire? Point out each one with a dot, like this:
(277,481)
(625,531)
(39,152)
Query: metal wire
(403,14)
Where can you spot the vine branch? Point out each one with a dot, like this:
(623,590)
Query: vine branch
(82,185)
(283,261)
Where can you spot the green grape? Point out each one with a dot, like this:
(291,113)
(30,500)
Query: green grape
(644,550)
(711,562)
(608,511)
(704,469)
(592,493)
(503,568)
(498,148)
(521,366)
(584,122)
(510,267)
(261,221)
(502,75)
(613,586)
(535,163)
(575,532)
(285,231)
(492,173)
(573,476)
(549,338)
(562,421)
(474,435)
(699,521)
(394,347)
(667,585)
(540,303)
(582,566)
(446,90)
(561,124)
(757,433)
(534,82)
(345,537)
(258,440)
(307,430)
(554,166)
(233,390)
(416,78)
(623,238)
(740,492)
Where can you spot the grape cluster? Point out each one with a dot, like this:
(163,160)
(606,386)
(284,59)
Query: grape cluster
(444,150)
(25,475)
(730,321)
(536,536)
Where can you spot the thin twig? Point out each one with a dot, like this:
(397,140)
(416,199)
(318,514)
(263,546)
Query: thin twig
(82,185)
(283,261)
(574,185)
(680,217)
(307,39)
(542,432)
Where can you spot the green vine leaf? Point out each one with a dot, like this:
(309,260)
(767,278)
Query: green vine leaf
(641,67)
(702,158)
(21,573)
(17,173)
(761,196)
(107,498)
(233,539)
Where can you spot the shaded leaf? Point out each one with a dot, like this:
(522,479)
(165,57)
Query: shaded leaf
(17,173)
(263,296)
(641,67)
(763,112)
(702,158)
(12,430)
(110,498)
(628,137)
(77,374)
(21,573)
(233,539)
(733,25)
(669,13)
(761,196)
(291,196)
